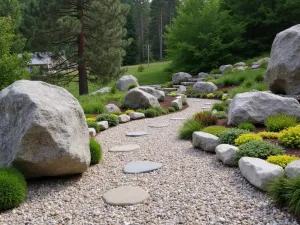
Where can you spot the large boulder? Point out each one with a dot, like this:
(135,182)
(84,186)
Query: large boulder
(112,108)
(138,99)
(177,102)
(255,107)
(203,75)
(283,73)
(225,68)
(159,95)
(177,78)
(293,169)
(227,154)
(204,87)
(43,130)
(124,82)
(259,172)
(205,141)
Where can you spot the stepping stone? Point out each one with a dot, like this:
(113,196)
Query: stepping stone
(141,167)
(178,118)
(125,195)
(136,134)
(197,100)
(125,148)
(207,103)
(158,125)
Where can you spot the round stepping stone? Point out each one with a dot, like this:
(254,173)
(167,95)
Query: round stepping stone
(136,134)
(158,125)
(141,167)
(207,103)
(178,118)
(125,195)
(125,148)
(196,100)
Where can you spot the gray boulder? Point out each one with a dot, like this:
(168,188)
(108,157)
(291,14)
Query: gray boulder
(124,118)
(181,89)
(259,63)
(136,115)
(255,107)
(177,78)
(293,169)
(112,108)
(259,172)
(238,69)
(92,132)
(225,68)
(203,75)
(138,99)
(102,91)
(283,73)
(103,125)
(239,64)
(205,141)
(204,87)
(177,102)
(227,154)
(124,82)
(43,130)
(159,95)
(183,98)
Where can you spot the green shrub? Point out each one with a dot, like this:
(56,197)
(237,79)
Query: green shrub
(276,123)
(276,190)
(228,136)
(176,107)
(203,95)
(218,94)
(110,118)
(128,111)
(215,130)
(244,138)
(291,137)
(140,111)
(171,109)
(259,77)
(131,86)
(206,118)
(220,106)
(215,71)
(246,126)
(93,108)
(141,68)
(94,125)
(160,111)
(188,128)
(259,149)
(113,89)
(150,113)
(96,152)
(282,160)
(210,95)
(248,83)
(221,115)
(190,91)
(12,188)
(168,85)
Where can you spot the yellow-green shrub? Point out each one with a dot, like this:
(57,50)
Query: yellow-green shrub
(244,138)
(282,160)
(90,119)
(291,137)
(210,95)
(269,135)
(129,111)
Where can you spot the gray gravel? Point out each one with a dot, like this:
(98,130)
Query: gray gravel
(191,188)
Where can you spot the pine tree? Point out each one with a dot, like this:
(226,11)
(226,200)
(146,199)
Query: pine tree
(88,33)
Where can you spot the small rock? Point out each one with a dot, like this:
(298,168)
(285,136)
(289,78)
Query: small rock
(124,118)
(103,125)
(92,132)
(136,115)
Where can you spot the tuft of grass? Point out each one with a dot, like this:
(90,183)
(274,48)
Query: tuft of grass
(276,123)
(188,128)
(96,151)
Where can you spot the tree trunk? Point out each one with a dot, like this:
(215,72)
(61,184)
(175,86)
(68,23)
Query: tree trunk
(161,35)
(82,70)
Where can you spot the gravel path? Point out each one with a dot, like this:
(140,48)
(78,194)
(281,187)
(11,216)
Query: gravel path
(191,188)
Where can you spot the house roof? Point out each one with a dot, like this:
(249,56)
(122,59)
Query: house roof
(41,59)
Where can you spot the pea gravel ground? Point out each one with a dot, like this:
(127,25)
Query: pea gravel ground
(192,187)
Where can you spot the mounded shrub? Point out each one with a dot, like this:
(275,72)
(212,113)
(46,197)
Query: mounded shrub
(160,111)
(244,138)
(141,68)
(12,188)
(140,110)
(96,152)
(220,106)
(131,86)
(276,123)
(94,125)
(269,135)
(110,118)
(221,115)
(188,128)
(150,113)
(215,130)
(291,137)
(259,149)
(218,95)
(206,118)
(176,107)
(282,160)
(129,111)
(246,126)
(228,136)
(210,95)
(93,108)
(171,109)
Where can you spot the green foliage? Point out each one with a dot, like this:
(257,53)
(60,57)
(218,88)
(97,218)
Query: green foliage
(113,89)
(218,94)
(269,135)
(222,106)
(259,149)
(291,137)
(282,160)
(221,115)
(214,71)
(141,68)
(202,37)
(276,123)
(131,86)
(277,191)
(215,130)
(91,108)
(210,96)
(129,111)
(188,128)
(12,188)
(171,109)
(160,111)
(246,126)
(94,125)
(229,135)
(190,91)
(176,107)
(110,118)
(168,85)
(205,118)
(96,151)
(244,138)
(140,111)
(150,113)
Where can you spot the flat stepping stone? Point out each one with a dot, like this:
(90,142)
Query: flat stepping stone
(141,167)
(197,100)
(125,195)
(125,148)
(158,125)
(178,118)
(207,103)
(136,134)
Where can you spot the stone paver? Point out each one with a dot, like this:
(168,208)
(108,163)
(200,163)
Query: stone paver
(125,148)
(136,133)
(154,125)
(141,167)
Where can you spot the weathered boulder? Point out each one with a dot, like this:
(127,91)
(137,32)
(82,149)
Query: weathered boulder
(43,130)
(177,102)
(177,78)
(205,141)
(203,75)
(102,91)
(238,69)
(283,73)
(138,99)
(259,172)
(227,154)
(239,64)
(183,98)
(124,118)
(112,108)
(204,87)
(103,125)
(255,107)
(159,95)
(259,63)
(181,89)
(293,169)
(124,82)
(136,115)
(225,68)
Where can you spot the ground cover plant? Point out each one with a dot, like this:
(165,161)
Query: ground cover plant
(215,130)
(282,160)
(188,128)
(276,123)
(110,118)
(246,126)
(228,136)
(244,138)
(291,137)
